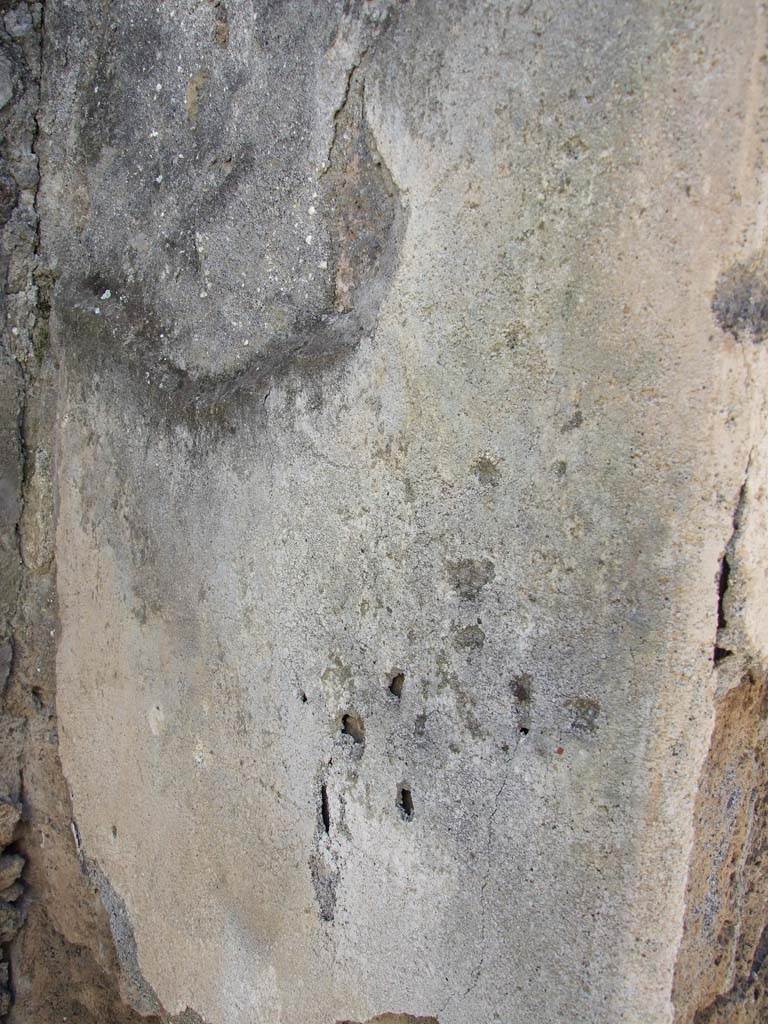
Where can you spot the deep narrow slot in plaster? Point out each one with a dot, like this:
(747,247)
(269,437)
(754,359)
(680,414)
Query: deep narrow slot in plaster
(405,802)
(396,685)
(325,811)
(353,725)
(722,587)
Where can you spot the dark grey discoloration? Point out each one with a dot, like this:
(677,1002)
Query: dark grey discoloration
(469,637)
(238,253)
(522,692)
(740,303)
(522,688)
(469,576)
(585,713)
(487,471)
(210,404)
(573,423)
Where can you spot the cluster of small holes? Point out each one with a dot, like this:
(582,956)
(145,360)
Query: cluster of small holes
(353,727)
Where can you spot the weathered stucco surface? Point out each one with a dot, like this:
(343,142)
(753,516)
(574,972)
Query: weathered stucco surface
(410,500)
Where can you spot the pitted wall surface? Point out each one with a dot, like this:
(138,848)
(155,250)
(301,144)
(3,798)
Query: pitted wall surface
(403,410)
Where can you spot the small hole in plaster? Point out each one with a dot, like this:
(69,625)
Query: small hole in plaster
(405,802)
(396,685)
(353,725)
